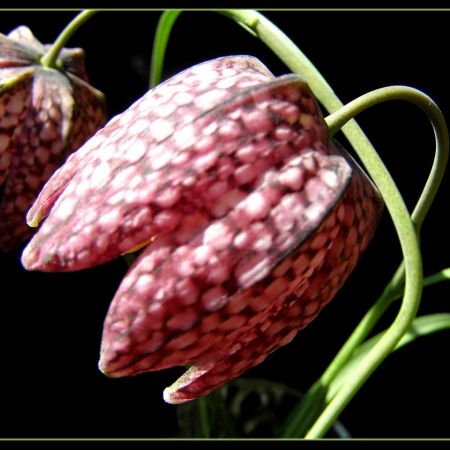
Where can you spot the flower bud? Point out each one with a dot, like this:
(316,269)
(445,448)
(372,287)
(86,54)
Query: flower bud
(45,114)
(255,219)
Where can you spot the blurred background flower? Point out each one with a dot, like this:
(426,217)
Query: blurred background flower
(45,114)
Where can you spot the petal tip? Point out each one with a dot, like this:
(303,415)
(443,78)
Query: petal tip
(172,396)
(31,258)
(107,368)
(27,258)
(177,393)
(189,386)
(33,221)
(103,367)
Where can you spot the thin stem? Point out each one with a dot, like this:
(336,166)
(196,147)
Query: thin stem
(383,348)
(162,33)
(443,275)
(297,61)
(276,40)
(422,326)
(304,414)
(390,339)
(336,120)
(396,291)
(50,59)
(365,326)
(203,416)
(288,52)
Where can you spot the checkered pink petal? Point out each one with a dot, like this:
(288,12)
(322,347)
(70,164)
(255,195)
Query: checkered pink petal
(256,220)
(45,115)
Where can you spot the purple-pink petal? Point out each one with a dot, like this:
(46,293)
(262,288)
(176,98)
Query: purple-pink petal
(185,305)
(45,115)
(255,219)
(135,150)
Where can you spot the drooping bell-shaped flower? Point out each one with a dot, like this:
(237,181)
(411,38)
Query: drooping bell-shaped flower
(45,114)
(254,219)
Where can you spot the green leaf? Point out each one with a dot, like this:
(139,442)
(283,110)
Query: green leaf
(162,33)
(421,326)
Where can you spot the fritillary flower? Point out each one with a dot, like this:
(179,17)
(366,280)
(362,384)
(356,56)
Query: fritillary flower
(253,217)
(45,114)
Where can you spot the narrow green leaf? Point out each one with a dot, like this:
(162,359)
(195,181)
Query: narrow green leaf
(163,30)
(421,326)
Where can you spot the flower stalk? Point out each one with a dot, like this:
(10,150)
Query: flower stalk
(50,59)
(294,58)
(406,226)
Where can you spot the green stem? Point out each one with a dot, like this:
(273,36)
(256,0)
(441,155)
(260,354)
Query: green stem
(337,120)
(288,52)
(50,59)
(422,326)
(443,275)
(395,286)
(203,416)
(162,33)
(275,39)
(306,411)
(297,61)
(303,415)
(411,300)
(366,325)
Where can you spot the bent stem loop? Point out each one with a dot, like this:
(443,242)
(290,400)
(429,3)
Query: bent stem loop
(50,59)
(401,324)
(338,119)
(410,272)
(301,418)
(286,50)
(299,63)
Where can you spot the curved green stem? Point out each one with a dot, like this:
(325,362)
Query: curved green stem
(410,271)
(336,120)
(299,420)
(50,59)
(422,326)
(395,286)
(442,275)
(288,52)
(297,61)
(407,312)
(162,33)
(297,424)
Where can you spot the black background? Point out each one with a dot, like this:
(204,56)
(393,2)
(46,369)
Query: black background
(51,323)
